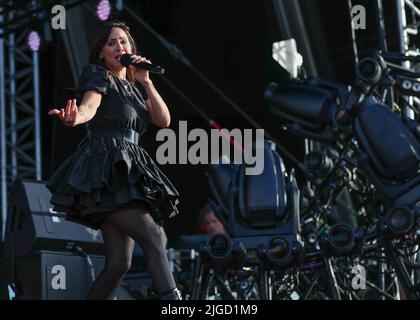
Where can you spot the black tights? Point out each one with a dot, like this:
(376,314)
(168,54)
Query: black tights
(118,231)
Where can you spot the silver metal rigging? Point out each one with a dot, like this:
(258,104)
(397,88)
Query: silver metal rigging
(19,107)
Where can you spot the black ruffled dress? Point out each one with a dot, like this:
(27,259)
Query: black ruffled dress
(107,174)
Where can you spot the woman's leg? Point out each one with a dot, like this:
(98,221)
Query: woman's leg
(140,226)
(118,252)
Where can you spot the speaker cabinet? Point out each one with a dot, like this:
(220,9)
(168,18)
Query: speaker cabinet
(32,225)
(50,275)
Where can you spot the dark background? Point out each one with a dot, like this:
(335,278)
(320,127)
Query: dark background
(230,43)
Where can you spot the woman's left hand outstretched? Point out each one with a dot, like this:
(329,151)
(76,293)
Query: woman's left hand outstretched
(69,115)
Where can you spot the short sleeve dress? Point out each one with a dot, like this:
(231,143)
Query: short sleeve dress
(107,174)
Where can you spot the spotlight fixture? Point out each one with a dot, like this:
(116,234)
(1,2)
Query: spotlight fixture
(103,10)
(318,163)
(221,250)
(400,220)
(341,238)
(280,251)
(119,5)
(33,41)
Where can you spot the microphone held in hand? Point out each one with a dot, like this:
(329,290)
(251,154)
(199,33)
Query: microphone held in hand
(126,62)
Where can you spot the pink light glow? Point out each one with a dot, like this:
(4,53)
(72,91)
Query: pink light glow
(34,41)
(103,9)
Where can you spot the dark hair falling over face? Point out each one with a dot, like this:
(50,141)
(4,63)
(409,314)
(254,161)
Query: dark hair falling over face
(101,39)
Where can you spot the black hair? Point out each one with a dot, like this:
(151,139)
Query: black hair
(102,37)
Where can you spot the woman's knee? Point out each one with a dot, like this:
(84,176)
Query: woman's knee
(118,267)
(156,239)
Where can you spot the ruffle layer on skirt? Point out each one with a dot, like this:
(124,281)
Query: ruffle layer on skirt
(106,175)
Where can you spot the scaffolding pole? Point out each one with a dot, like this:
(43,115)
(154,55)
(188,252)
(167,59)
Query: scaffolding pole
(20,110)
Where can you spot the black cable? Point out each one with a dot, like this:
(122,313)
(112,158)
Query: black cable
(78,250)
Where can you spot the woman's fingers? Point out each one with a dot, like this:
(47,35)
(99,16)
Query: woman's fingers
(71,113)
(73,107)
(144,59)
(59,112)
(68,107)
(66,114)
(136,59)
(53,112)
(69,110)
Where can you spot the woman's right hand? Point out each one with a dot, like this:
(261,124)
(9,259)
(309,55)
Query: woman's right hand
(69,115)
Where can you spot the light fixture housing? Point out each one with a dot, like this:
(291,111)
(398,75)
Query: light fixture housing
(33,40)
(103,10)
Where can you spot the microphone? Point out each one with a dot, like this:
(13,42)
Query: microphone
(126,61)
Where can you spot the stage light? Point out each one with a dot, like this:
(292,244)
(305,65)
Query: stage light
(119,5)
(103,10)
(341,238)
(370,70)
(221,251)
(279,251)
(33,41)
(302,103)
(318,163)
(392,147)
(219,246)
(400,220)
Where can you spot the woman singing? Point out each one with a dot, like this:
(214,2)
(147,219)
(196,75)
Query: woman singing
(110,182)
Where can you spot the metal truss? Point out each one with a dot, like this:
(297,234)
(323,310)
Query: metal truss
(19,107)
(408,27)
(408,20)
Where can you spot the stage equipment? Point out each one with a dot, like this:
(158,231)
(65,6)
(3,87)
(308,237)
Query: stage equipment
(32,225)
